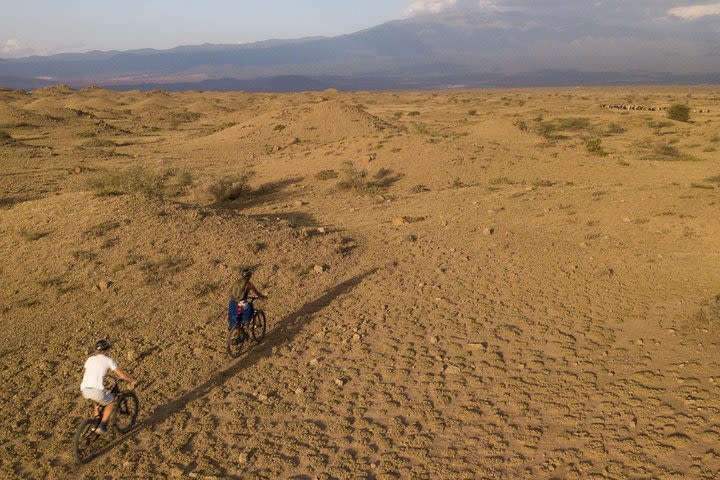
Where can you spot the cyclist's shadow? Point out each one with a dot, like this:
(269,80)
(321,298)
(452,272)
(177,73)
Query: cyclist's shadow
(290,325)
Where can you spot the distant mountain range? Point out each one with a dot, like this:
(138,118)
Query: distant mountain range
(430,51)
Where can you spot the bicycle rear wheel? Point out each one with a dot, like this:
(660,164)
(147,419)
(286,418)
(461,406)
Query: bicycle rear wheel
(236,340)
(258,326)
(125,412)
(86,442)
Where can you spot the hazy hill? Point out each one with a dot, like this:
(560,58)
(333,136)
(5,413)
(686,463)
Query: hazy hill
(468,48)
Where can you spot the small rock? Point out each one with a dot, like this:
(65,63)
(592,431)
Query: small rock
(488,231)
(452,370)
(299,391)
(356,337)
(78,169)
(476,346)
(339,382)
(321,230)
(242,457)
(632,424)
(299,203)
(314,362)
(320,268)
(131,355)
(104,285)
(198,352)
(627,220)
(176,472)
(433,339)
(262,397)
(639,342)
(399,221)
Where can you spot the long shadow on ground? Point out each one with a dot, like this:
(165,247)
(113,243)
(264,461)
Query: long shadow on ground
(282,333)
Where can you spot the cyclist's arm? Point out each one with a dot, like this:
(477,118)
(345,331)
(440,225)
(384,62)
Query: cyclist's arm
(124,376)
(252,288)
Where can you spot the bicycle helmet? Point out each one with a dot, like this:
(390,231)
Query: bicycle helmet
(247,273)
(103,345)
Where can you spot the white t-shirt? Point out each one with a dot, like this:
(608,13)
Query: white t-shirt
(95,369)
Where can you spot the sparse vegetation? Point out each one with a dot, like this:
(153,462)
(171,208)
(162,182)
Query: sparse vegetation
(157,272)
(33,235)
(414,113)
(5,137)
(573,124)
(715,179)
(521,125)
(472,113)
(139,180)
(101,229)
(614,129)
(279,127)
(679,112)
(419,189)
(232,187)
(326,174)
(84,255)
(542,183)
(501,181)
(595,147)
(98,143)
(352,178)
(203,288)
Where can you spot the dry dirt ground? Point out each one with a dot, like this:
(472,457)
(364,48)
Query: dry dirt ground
(500,284)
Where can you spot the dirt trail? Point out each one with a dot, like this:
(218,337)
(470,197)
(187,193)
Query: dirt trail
(491,300)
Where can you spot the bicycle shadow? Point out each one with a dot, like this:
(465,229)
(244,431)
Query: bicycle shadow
(290,325)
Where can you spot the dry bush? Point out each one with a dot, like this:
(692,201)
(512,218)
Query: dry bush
(543,183)
(521,125)
(573,124)
(33,235)
(419,189)
(203,288)
(326,175)
(158,272)
(595,147)
(715,179)
(98,143)
(138,180)
(231,188)
(501,181)
(615,128)
(352,178)
(5,137)
(679,112)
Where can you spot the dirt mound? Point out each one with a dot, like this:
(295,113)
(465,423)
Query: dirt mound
(54,90)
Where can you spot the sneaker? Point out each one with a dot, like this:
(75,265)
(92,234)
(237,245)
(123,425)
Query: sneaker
(101,430)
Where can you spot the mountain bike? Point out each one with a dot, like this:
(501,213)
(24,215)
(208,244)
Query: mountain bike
(87,443)
(241,332)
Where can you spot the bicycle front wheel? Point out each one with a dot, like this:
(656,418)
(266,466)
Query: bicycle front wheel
(126,412)
(86,442)
(236,339)
(259,324)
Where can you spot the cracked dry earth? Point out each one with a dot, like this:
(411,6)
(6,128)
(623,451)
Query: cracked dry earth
(493,299)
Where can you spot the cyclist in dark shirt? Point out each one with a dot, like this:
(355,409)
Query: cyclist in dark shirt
(240,292)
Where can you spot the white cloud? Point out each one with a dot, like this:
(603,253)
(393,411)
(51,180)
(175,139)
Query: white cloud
(694,12)
(420,7)
(11,46)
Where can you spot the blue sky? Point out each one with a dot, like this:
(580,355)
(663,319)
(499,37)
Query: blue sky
(52,26)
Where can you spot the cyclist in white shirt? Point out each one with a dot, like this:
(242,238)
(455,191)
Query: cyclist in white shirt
(92,386)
